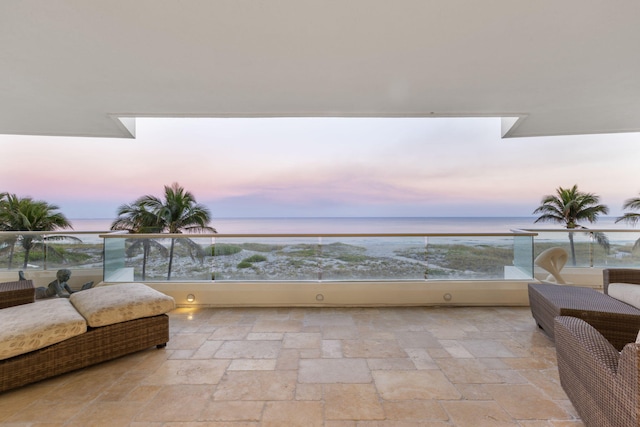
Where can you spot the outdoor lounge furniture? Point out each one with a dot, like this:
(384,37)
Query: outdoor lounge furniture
(16,293)
(601,383)
(46,338)
(616,320)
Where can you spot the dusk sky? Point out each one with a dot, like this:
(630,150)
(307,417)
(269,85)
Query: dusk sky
(321,167)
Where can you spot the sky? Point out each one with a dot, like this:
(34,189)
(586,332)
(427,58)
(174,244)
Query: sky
(321,167)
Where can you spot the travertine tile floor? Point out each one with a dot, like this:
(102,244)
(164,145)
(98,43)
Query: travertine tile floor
(332,367)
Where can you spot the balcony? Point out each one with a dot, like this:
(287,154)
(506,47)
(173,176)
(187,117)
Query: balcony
(414,352)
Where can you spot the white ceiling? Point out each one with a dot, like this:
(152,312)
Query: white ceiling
(564,67)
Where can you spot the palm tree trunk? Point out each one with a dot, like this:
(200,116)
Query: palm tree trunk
(573,249)
(173,242)
(13,246)
(145,254)
(26,258)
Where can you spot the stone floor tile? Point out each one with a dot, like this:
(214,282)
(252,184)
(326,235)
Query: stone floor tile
(272,325)
(265,336)
(176,403)
(473,392)
(256,385)
(288,359)
(143,393)
(252,365)
(466,413)
(186,341)
(331,349)
(526,402)
(182,354)
(230,332)
(352,402)
(422,339)
(309,392)
(232,411)
(207,350)
(327,371)
(340,333)
(467,371)
(456,349)
(302,340)
(393,364)
(46,411)
(421,358)
(368,348)
(248,350)
(293,414)
(188,372)
(415,410)
(409,385)
(486,348)
(107,414)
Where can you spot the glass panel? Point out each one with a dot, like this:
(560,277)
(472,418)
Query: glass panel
(578,245)
(469,257)
(373,258)
(181,258)
(522,258)
(114,271)
(621,251)
(278,258)
(76,251)
(11,251)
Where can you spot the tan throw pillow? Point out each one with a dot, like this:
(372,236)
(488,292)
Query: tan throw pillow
(106,305)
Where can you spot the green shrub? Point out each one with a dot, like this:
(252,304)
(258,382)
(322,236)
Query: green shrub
(256,258)
(244,264)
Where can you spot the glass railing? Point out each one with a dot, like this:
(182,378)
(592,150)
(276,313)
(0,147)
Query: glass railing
(25,250)
(314,257)
(605,248)
(318,257)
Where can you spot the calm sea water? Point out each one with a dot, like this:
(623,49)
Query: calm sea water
(365,225)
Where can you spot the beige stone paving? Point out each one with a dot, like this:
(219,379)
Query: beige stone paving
(325,367)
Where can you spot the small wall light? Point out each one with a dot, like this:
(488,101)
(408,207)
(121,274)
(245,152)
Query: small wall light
(191,298)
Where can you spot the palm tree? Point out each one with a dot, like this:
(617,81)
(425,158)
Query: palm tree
(135,218)
(569,206)
(631,218)
(26,214)
(179,212)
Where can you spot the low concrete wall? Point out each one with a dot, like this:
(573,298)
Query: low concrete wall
(361,294)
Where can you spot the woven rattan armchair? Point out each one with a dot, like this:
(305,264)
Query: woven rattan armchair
(601,382)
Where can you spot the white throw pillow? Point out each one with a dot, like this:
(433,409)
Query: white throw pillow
(625,292)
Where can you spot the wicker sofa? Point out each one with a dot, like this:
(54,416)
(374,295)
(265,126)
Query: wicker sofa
(601,382)
(118,322)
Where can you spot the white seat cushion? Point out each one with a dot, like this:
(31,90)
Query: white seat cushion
(32,326)
(625,292)
(106,305)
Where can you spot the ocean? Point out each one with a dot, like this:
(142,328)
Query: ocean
(356,225)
